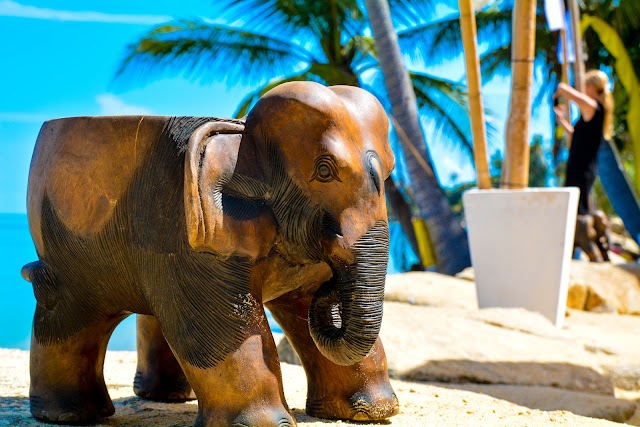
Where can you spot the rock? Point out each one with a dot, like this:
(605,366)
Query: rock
(553,399)
(612,340)
(433,289)
(491,346)
(604,287)
(599,287)
(286,353)
(467,274)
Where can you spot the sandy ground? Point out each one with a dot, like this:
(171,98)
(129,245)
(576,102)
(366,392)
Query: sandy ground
(422,404)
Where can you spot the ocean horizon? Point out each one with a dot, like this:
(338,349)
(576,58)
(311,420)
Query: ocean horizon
(17,303)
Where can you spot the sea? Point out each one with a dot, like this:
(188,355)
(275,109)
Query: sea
(17,303)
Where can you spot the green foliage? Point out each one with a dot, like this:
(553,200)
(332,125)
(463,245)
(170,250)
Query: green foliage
(267,42)
(623,56)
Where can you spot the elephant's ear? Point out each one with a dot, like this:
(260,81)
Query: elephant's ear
(210,160)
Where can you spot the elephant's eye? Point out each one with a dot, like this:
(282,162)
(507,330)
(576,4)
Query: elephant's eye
(325,169)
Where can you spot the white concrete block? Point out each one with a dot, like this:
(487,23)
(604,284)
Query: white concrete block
(521,245)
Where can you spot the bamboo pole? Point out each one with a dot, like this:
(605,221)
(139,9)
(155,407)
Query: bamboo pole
(515,171)
(565,70)
(474,85)
(578,64)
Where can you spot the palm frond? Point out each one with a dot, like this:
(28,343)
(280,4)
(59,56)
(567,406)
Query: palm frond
(360,51)
(496,62)
(628,16)
(443,102)
(204,52)
(296,17)
(409,13)
(437,40)
(250,100)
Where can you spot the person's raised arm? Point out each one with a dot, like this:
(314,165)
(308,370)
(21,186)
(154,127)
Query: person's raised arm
(586,104)
(561,119)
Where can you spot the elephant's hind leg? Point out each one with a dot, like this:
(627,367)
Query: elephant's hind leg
(358,392)
(68,347)
(159,375)
(67,382)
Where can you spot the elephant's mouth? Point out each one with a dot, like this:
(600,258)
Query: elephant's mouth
(346,312)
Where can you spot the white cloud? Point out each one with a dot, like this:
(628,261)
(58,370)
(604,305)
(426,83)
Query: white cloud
(111,105)
(15,9)
(10,116)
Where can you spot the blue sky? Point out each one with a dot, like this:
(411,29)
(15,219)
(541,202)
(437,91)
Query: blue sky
(59,59)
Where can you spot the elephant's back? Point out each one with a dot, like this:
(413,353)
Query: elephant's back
(84,166)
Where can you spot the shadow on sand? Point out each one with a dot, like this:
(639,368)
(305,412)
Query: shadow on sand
(132,411)
(549,386)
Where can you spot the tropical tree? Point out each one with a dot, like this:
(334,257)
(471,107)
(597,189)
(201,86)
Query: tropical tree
(442,39)
(263,43)
(404,106)
(612,39)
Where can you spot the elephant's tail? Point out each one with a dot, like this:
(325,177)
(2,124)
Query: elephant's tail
(28,271)
(44,282)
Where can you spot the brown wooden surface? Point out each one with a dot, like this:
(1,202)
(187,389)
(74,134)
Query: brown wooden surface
(197,222)
(474,85)
(515,169)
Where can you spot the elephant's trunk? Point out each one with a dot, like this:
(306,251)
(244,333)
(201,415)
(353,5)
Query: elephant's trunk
(346,312)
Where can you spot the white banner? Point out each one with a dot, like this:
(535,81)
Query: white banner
(554,10)
(571,55)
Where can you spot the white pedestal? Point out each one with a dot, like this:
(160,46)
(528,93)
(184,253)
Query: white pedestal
(521,245)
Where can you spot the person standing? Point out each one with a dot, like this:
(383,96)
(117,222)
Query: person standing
(594,125)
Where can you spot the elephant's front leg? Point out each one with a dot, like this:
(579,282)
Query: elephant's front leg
(159,375)
(360,392)
(245,388)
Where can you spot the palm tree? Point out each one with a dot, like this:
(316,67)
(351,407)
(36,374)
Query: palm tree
(442,38)
(404,106)
(268,42)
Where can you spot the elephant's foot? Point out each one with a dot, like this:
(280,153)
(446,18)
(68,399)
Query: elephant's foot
(361,391)
(160,388)
(159,376)
(250,417)
(245,388)
(373,403)
(67,384)
(70,407)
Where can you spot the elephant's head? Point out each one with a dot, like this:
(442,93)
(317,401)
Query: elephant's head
(316,157)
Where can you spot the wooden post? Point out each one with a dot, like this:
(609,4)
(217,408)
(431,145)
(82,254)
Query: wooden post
(474,85)
(565,70)
(515,171)
(578,64)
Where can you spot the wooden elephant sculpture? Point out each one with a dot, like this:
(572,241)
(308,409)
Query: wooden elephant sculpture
(592,236)
(195,224)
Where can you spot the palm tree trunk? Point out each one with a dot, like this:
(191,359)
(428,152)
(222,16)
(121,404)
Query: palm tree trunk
(515,169)
(476,111)
(449,239)
(402,211)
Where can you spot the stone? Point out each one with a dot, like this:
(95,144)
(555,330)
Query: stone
(491,346)
(604,287)
(599,287)
(433,289)
(554,399)
(286,353)
(612,341)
